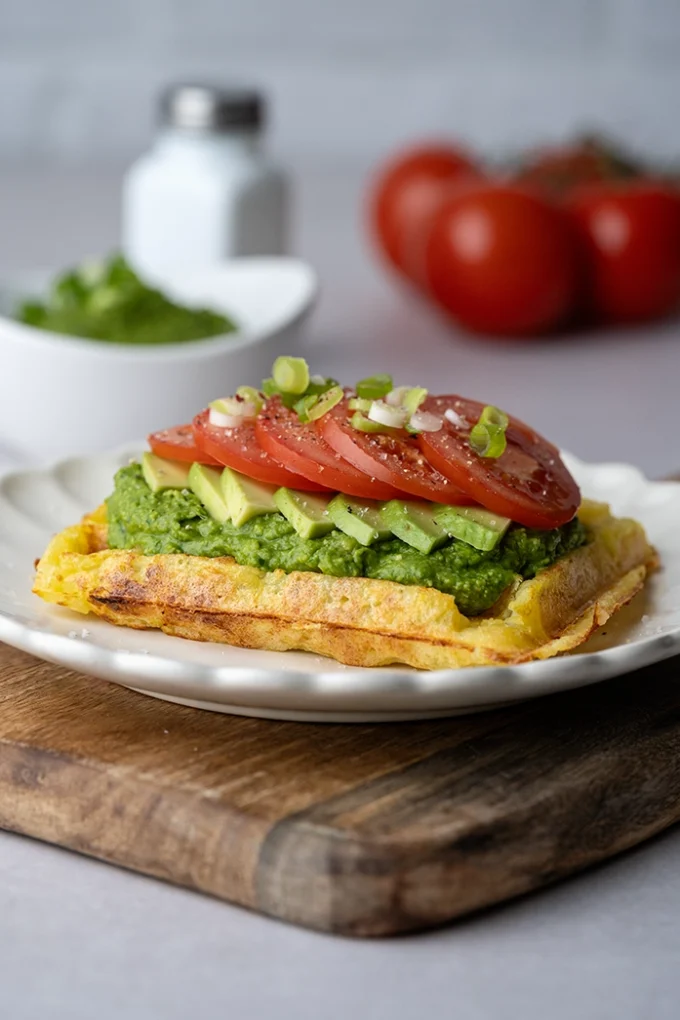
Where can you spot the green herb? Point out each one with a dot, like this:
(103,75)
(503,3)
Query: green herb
(108,301)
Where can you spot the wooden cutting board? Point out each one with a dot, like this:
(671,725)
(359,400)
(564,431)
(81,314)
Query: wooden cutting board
(358,830)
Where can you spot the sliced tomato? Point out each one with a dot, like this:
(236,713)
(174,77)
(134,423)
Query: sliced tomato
(239,449)
(394,459)
(178,443)
(303,449)
(528,482)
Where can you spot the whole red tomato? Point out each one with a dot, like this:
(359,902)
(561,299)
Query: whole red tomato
(631,239)
(501,259)
(404,197)
(558,170)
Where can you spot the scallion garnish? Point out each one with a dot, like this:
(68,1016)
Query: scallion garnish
(304,405)
(291,375)
(494,416)
(318,384)
(313,406)
(251,396)
(361,423)
(374,387)
(392,417)
(325,402)
(424,421)
(395,398)
(413,398)
(487,437)
(230,412)
(270,389)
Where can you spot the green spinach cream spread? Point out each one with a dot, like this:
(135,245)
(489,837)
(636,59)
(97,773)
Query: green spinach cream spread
(174,521)
(110,302)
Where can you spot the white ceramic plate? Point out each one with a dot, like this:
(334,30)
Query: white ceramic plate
(296,685)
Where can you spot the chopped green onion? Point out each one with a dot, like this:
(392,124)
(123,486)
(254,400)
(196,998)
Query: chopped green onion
(304,405)
(251,396)
(325,402)
(319,387)
(494,416)
(487,437)
(357,404)
(413,399)
(374,387)
(395,398)
(488,440)
(270,389)
(226,405)
(289,399)
(361,423)
(392,417)
(291,375)
(229,413)
(312,406)
(425,421)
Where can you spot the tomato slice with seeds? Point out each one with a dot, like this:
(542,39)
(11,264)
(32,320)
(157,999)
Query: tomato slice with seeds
(528,483)
(395,458)
(303,449)
(239,449)
(178,443)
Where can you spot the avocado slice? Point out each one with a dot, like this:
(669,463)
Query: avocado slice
(160,474)
(246,498)
(473,524)
(206,483)
(358,518)
(413,522)
(307,513)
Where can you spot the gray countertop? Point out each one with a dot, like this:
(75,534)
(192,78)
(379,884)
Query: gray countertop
(80,939)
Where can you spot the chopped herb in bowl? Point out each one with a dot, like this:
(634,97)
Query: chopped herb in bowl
(108,301)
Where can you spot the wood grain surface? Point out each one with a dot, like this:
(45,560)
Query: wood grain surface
(358,830)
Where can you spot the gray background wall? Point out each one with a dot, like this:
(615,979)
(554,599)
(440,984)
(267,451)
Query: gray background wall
(348,78)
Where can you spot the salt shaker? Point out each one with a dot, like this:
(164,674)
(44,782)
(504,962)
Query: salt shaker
(206,190)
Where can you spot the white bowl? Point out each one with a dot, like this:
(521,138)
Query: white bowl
(61,395)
